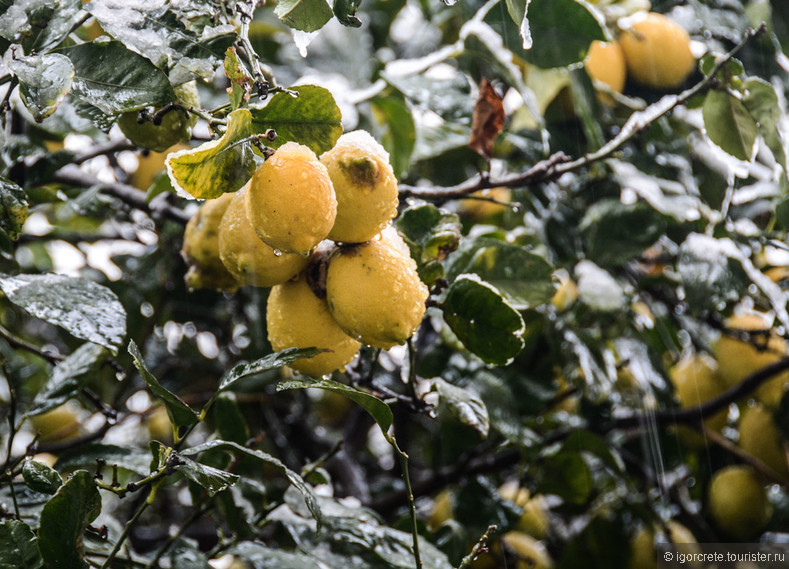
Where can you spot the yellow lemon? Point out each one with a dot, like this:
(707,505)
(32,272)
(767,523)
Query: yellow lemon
(443,509)
(642,546)
(59,424)
(657,52)
(149,165)
(365,185)
(605,63)
(737,503)
(738,359)
(482,210)
(375,294)
(248,258)
(176,125)
(291,202)
(201,247)
(760,437)
(295,317)
(530,553)
(696,381)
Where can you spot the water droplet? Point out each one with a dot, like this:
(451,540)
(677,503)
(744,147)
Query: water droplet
(277,253)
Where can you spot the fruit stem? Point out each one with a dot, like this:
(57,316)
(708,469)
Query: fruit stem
(411,503)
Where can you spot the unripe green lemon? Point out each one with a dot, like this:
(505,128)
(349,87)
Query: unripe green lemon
(657,52)
(696,381)
(760,437)
(176,125)
(531,553)
(201,247)
(365,185)
(248,258)
(738,359)
(605,62)
(291,202)
(295,317)
(375,294)
(737,503)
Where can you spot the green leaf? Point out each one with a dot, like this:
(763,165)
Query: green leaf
(312,119)
(115,79)
(18,548)
(184,557)
(216,167)
(762,102)
(13,208)
(465,406)
(64,519)
(709,273)
(155,31)
(83,308)
(181,415)
(229,421)
(266,363)
(133,459)
(431,234)
(614,233)
(555,33)
(304,15)
(69,377)
(258,556)
(379,410)
(523,278)
(732,68)
(729,124)
(399,138)
(586,441)
(240,80)
(296,480)
(345,11)
(210,478)
(44,81)
(483,320)
(40,477)
(567,475)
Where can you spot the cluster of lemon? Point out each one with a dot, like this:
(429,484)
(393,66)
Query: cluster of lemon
(652,49)
(268,234)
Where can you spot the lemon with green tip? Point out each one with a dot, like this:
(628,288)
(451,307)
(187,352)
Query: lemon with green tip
(201,247)
(375,293)
(291,201)
(365,185)
(737,503)
(296,317)
(246,257)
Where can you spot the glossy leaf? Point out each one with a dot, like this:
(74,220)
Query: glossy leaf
(41,477)
(185,557)
(312,118)
(762,102)
(44,81)
(258,556)
(83,308)
(266,363)
(431,234)
(212,479)
(483,320)
(13,208)
(181,415)
(241,82)
(567,475)
(115,80)
(216,167)
(129,458)
(304,15)
(345,11)
(64,519)
(69,377)
(18,547)
(465,406)
(729,124)
(710,275)
(399,136)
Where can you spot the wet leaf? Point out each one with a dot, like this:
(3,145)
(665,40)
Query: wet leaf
(709,273)
(304,15)
(266,363)
(115,79)
(762,102)
(399,136)
(83,308)
(44,81)
(64,519)
(183,557)
(465,406)
(217,167)
(487,120)
(41,477)
(345,12)
(312,119)
(431,234)
(729,124)
(18,547)
(258,556)
(13,208)
(133,459)
(181,415)
(210,478)
(567,475)
(240,80)
(483,320)
(69,377)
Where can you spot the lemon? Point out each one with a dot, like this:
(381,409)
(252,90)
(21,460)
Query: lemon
(482,210)
(176,125)
(531,554)
(567,293)
(201,247)
(157,422)
(534,515)
(59,424)
(149,165)
(605,62)
(443,509)
(295,317)
(291,202)
(760,437)
(365,185)
(642,546)
(738,359)
(737,503)
(248,258)
(657,52)
(696,381)
(375,294)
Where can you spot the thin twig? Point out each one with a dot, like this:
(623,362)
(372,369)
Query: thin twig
(480,547)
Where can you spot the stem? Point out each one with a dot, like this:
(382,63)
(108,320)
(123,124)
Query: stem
(480,547)
(13,495)
(12,427)
(171,539)
(126,529)
(411,503)
(18,342)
